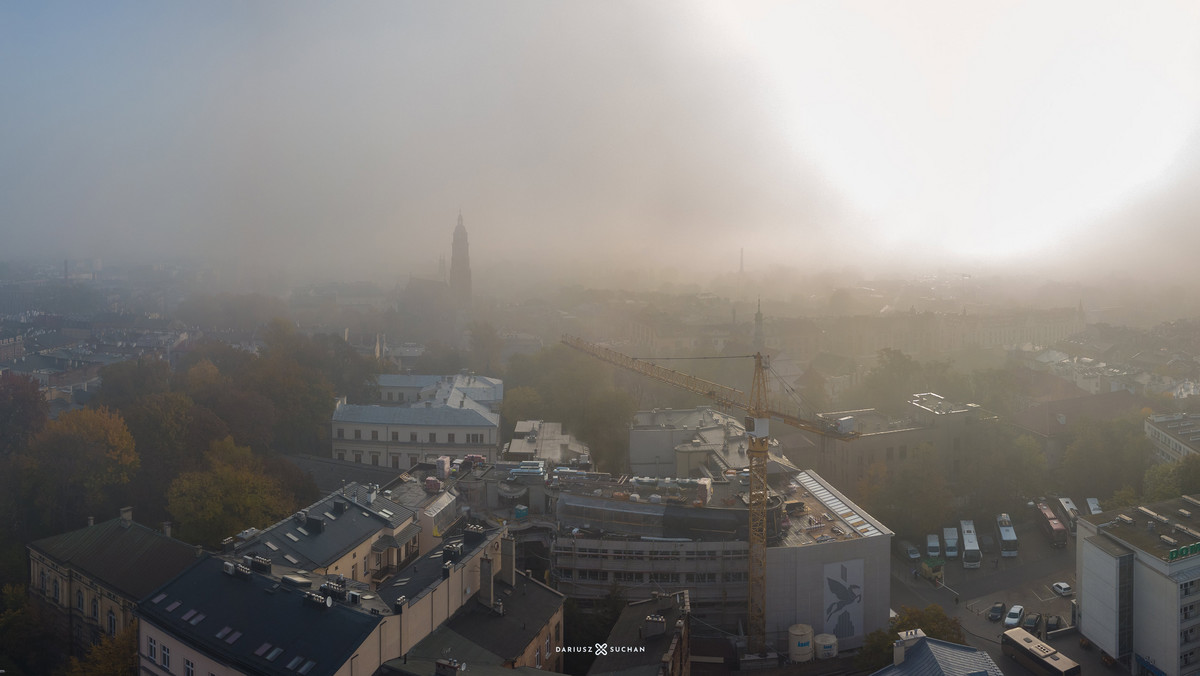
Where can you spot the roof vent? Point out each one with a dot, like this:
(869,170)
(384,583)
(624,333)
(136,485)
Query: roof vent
(1125,519)
(1169,541)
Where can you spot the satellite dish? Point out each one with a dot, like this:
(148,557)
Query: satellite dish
(328,601)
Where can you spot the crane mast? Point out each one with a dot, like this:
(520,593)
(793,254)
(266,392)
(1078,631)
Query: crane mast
(757,428)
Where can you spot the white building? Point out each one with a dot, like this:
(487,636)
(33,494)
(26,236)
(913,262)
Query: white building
(401,436)
(1138,585)
(1174,435)
(676,442)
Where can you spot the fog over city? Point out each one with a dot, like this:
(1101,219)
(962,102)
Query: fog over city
(342,141)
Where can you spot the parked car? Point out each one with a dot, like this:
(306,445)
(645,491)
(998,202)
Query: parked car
(1062,589)
(1013,619)
(1053,623)
(996,611)
(1031,623)
(906,549)
(986,544)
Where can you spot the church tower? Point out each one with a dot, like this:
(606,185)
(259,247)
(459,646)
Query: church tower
(460,267)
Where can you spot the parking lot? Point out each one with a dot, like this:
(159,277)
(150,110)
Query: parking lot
(1026,580)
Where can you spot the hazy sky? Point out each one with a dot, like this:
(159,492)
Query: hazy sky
(347,136)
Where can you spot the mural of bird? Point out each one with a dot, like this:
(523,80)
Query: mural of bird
(846,595)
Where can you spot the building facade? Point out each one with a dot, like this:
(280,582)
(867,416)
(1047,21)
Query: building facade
(1138,585)
(1174,435)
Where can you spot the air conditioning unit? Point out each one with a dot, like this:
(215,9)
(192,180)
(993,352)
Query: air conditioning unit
(229,567)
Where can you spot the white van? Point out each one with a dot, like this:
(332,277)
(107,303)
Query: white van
(933,548)
(950,541)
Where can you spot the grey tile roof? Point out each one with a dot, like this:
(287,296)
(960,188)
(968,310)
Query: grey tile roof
(628,631)
(291,543)
(232,618)
(128,558)
(433,416)
(528,606)
(932,657)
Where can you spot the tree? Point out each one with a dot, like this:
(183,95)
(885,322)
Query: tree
(123,382)
(520,403)
(876,652)
(1161,482)
(76,465)
(112,656)
(233,493)
(23,412)
(1188,473)
(486,349)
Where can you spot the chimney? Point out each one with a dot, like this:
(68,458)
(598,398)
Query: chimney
(91,521)
(372,489)
(508,561)
(898,652)
(126,517)
(485,581)
(655,625)
(167,528)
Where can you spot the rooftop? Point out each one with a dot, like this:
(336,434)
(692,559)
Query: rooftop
(329,528)
(631,630)
(528,607)
(933,657)
(1160,529)
(419,577)
(426,413)
(124,556)
(251,621)
(330,474)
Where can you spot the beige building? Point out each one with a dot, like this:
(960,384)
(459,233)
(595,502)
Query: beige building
(91,579)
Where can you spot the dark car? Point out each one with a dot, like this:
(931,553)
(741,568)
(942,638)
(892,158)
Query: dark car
(1031,622)
(986,544)
(996,611)
(1053,623)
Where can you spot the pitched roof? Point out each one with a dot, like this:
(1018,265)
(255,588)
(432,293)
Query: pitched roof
(629,630)
(932,657)
(124,556)
(528,606)
(440,416)
(294,542)
(254,623)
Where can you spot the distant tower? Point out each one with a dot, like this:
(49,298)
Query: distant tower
(760,340)
(460,267)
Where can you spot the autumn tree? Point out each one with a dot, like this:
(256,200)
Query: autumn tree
(112,656)
(232,493)
(23,412)
(79,464)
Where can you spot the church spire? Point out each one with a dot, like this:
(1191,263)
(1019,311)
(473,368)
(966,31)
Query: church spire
(460,266)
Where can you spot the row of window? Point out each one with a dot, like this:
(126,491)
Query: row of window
(413,437)
(55,593)
(652,555)
(162,655)
(588,575)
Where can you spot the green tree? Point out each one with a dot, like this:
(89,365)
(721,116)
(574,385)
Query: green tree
(233,493)
(1161,482)
(23,412)
(486,349)
(123,382)
(876,652)
(520,403)
(1188,473)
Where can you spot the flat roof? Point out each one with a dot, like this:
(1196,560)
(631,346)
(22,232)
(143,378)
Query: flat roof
(1156,529)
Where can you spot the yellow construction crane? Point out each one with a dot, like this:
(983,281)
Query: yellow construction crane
(757,428)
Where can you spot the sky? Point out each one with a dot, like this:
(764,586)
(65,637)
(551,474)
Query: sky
(346,138)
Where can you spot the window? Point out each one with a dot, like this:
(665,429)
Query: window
(433,437)
(375,459)
(95,609)
(56,590)
(341,433)
(395,462)
(112,623)
(151,648)
(395,436)
(166,658)
(358,434)
(43,579)
(537,657)
(450,438)
(341,454)
(390,395)
(412,436)
(358,457)
(79,599)
(189,668)
(374,435)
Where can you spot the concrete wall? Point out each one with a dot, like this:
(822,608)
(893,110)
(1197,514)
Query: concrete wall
(840,588)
